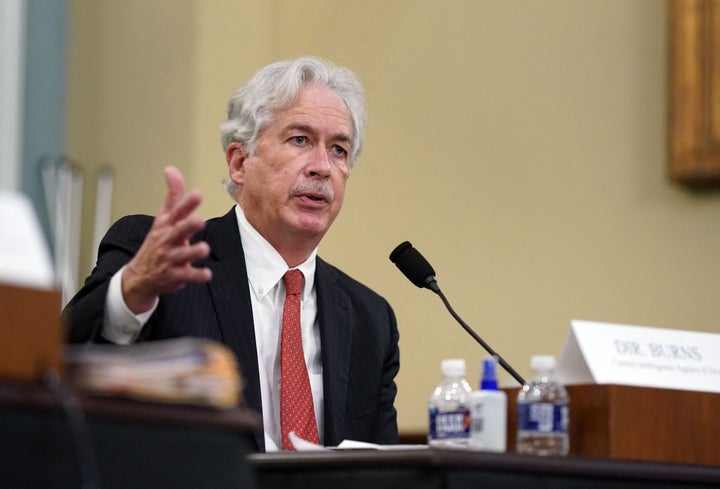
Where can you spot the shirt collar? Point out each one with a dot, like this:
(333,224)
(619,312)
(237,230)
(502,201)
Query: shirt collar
(265,266)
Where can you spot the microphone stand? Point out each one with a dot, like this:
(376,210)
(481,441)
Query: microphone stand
(432,285)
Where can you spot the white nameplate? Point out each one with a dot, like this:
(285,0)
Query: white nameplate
(24,254)
(602,353)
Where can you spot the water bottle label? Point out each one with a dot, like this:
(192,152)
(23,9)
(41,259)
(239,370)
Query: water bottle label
(449,424)
(544,417)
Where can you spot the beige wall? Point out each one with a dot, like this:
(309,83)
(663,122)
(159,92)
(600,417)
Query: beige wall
(520,145)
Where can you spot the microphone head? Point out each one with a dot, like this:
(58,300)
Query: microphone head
(413,265)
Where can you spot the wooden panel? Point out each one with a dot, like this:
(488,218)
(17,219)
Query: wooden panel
(638,423)
(694,92)
(31,337)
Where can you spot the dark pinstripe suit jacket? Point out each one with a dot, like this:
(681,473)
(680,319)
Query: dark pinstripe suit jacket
(359,335)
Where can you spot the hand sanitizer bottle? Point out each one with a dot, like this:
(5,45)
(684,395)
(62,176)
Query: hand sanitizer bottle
(488,412)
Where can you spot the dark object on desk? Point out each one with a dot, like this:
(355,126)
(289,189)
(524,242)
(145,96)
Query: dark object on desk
(136,445)
(455,469)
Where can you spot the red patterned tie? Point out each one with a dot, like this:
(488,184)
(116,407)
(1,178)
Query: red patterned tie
(296,403)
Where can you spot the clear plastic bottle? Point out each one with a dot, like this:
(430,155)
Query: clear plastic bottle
(449,407)
(543,412)
(488,411)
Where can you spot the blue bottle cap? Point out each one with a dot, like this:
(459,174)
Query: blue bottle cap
(489,377)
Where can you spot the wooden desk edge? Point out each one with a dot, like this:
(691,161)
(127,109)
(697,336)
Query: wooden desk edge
(495,462)
(35,397)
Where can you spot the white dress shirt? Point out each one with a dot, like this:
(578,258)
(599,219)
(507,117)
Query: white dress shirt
(265,269)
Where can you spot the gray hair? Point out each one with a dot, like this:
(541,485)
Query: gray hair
(252,107)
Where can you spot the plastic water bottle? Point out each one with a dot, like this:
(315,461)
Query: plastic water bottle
(543,412)
(488,411)
(449,407)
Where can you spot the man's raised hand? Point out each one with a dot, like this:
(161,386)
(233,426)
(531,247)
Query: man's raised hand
(163,263)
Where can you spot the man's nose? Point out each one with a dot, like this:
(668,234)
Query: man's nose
(320,164)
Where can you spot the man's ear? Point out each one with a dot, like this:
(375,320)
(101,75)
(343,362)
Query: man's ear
(235,155)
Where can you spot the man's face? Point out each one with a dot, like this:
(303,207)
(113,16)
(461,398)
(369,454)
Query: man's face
(293,186)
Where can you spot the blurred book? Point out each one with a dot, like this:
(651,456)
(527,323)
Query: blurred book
(193,371)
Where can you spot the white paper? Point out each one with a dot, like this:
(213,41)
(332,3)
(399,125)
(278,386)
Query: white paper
(303,445)
(604,353)
(24,254)
(362,445)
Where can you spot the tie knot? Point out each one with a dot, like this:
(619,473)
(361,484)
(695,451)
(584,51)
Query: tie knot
(293,282)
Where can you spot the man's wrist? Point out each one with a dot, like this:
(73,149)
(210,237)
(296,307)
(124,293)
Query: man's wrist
(121,324)
(135,301)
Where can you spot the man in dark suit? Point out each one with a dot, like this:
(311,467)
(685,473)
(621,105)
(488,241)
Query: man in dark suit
(292,136)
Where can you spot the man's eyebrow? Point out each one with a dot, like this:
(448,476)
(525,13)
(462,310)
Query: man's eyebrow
(299,127)
(342,137)
(339,137)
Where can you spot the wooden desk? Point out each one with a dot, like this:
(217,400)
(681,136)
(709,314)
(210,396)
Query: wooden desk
(127,444)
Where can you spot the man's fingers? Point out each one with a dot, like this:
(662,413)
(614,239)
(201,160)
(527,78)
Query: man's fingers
(185,206)
(198,275)
(157,274)
(179,233)
(181,276)
(188,254)
(175,187)
(177,204)
(178,223)
(164,261)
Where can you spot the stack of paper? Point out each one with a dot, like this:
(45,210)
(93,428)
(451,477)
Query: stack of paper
(184,370)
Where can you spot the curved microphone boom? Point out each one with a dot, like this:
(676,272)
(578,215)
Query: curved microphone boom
(419,271)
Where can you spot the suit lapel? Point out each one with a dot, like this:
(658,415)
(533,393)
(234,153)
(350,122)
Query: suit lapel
(335,320)
(231,297)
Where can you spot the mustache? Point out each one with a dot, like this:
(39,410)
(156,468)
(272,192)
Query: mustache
(314,187)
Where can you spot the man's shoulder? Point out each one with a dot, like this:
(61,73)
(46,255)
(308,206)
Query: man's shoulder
(338,278)
(221,228)
(128,230)
(133,221)
(136,226)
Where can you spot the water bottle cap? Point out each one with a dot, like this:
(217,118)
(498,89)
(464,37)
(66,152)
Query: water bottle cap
(542,362)
(453,367)
(489,375)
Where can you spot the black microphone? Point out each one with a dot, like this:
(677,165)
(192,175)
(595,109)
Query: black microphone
(416,268)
